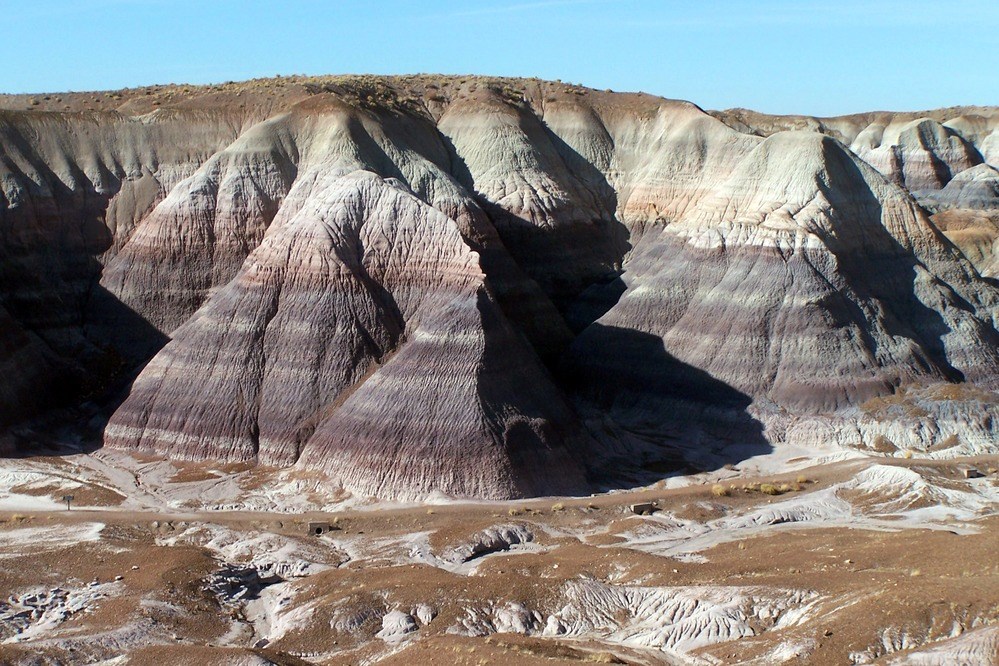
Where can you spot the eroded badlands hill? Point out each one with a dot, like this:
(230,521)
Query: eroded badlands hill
(494,287)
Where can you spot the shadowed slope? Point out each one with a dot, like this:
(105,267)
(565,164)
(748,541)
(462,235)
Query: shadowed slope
(463,408)
(314,248)
(796,282)
(326,295)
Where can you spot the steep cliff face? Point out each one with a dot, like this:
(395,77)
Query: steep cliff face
(421,284)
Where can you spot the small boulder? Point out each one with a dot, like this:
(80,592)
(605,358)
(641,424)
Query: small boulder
(644,508)
(396,625)
(425,614)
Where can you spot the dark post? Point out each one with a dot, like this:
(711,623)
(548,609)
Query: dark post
(67,499)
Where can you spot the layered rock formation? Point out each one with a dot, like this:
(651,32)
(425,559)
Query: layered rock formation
(483,287)
(967,211)
(945,158)
(953,138)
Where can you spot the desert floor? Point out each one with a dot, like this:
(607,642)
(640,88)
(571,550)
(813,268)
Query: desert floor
(836,560)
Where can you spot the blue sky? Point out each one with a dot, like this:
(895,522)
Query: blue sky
(779,56)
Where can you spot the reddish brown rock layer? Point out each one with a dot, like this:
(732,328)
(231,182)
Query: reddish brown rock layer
(367,276)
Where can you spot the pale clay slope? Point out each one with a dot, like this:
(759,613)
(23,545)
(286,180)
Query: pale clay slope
(980,646)
(968,213)
(953,149)
(306,262)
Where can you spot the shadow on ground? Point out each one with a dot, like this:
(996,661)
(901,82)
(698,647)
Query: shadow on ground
(651,414)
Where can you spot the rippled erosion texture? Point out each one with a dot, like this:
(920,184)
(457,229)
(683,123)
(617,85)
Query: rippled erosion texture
(492,288)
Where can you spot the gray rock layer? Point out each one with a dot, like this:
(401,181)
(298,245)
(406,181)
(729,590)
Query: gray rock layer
(416,285)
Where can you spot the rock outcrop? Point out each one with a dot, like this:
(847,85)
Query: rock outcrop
(482,287)
(922,155)
(967,211)
(976,188)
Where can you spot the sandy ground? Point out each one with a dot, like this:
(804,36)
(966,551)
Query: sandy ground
(782,559)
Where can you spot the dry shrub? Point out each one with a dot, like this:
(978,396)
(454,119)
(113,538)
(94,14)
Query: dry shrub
(947,443)
(883,445)
(769,489)
(718,490)
(962,392)
(558,507)
(514,511)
